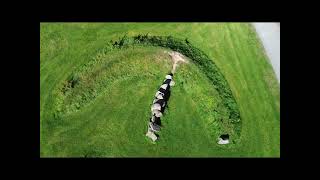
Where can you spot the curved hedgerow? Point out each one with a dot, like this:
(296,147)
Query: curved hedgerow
(199,58)
(65,105)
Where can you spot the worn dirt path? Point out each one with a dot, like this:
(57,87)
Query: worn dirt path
(176,58)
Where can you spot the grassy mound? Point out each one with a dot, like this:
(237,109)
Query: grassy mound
(117,90)
(108,68)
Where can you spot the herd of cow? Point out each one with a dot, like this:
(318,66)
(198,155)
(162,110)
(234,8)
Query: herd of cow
(158,106)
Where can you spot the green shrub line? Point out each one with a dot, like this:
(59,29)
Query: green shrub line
(202,60)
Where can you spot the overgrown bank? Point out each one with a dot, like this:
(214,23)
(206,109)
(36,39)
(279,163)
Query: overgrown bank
(71,99)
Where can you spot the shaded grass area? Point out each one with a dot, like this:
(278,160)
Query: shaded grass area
(233,47)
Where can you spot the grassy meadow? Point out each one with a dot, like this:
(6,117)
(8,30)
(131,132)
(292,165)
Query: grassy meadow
(106,108)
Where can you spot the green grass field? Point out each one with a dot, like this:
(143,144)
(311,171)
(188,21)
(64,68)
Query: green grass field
(106,113)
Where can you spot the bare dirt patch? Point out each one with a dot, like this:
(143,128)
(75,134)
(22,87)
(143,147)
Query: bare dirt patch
(177,58)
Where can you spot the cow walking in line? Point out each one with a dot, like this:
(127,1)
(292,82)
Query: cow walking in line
(158,106)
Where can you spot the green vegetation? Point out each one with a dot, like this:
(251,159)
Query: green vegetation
(96,90)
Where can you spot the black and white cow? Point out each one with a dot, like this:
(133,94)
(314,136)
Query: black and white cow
(158,106)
